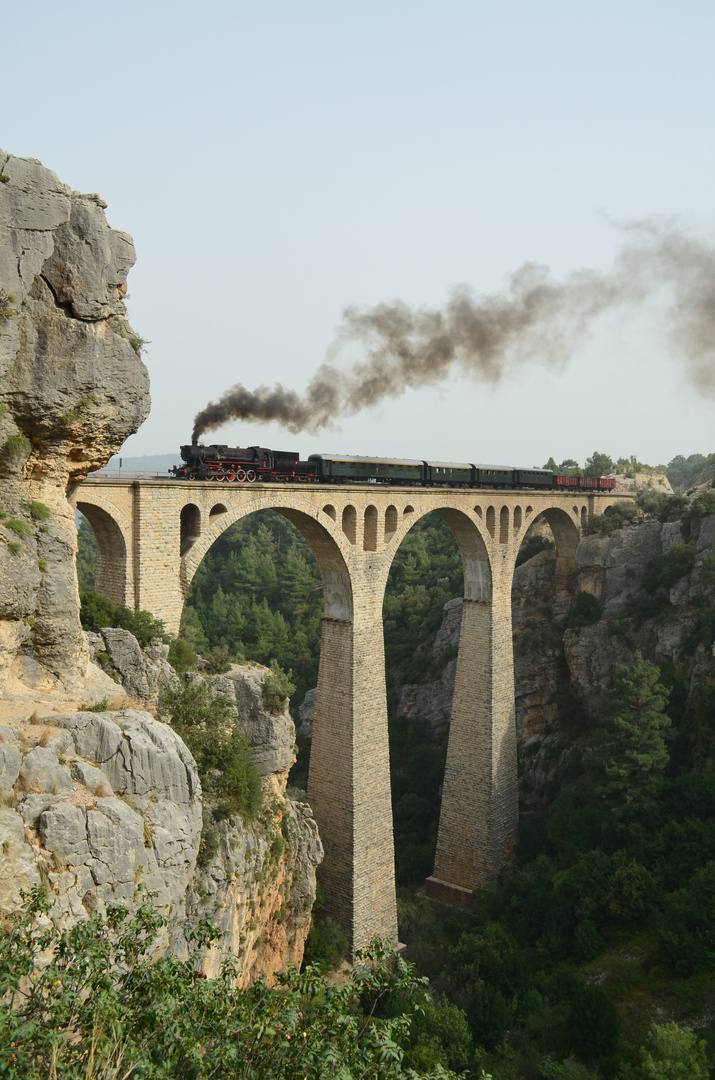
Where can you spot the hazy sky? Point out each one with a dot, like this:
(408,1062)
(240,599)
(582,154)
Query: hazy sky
(277,162)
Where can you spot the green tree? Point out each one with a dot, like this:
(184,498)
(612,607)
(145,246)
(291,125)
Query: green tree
(551,464)
(631,760)
(598,465)
(674,1054)
(88,1002)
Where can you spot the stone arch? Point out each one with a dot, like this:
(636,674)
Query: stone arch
(517,518)
(584,519)
(565,531)
(369,533)
(350,522)
(219,508)
(504,525)
(390,523)
(334,573)
(330,511)
(472,548)
(111,573)
(491,520)
(190,527)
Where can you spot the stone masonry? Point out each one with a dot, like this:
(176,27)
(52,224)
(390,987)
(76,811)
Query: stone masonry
(152,536)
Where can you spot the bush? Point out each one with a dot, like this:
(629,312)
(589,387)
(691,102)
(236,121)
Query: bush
(89,1002)
(326,945)
(585,610)
(665,570)
(277,687)
(207,724)
(97,611)
(181,656)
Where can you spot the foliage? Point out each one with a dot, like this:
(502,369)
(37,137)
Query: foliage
(96,706)
(665,570)
(257,592)
(21,528)
(207,724)
(277,687)
(14,547)
(39,511)
(326,944)
(687,931)
(426,572)
(7,311)
(121,327)
(673,1054)
(86,557)
(630,761)
(89,1002)
(585,610)
(17,447)
(532,544)
(624,512)
(598,465)
(181,656)
(97,611)
(682,472)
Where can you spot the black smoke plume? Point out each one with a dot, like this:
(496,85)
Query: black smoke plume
(534,319)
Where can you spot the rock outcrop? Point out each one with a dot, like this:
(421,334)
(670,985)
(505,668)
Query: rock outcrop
(72,388)
(259,883)
(96,804)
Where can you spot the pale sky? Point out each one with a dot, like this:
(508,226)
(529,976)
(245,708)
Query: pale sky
(276,162)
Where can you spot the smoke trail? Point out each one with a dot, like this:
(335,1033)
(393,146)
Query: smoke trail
(534,320)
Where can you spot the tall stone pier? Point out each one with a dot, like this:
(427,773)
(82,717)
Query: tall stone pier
(152,537)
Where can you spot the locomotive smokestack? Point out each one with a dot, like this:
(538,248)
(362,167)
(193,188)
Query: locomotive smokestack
(534,319)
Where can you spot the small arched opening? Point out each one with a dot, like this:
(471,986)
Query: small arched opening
(190,520)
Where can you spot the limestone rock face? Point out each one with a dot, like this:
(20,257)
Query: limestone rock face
(101,802)
(259,884)
(271,734)
(72,388)
(142,673)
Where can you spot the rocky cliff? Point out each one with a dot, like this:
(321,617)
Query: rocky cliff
(94,804)
(568,650)
(72,388)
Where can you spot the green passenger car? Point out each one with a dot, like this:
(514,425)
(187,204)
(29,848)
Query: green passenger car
(380,470)
(447,472)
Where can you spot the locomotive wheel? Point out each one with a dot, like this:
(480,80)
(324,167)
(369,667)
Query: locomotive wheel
(229,476)
(218,474)
(240,475)
(250,475)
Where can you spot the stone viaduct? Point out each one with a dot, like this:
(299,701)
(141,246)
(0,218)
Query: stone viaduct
(152,536)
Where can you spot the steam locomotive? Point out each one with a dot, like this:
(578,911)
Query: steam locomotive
(231,464)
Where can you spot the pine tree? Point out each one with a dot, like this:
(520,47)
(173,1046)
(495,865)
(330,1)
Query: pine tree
(631,761)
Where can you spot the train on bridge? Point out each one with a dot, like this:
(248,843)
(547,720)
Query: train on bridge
(231,464)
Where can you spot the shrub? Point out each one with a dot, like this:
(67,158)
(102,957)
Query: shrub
(181,656)
(207,724)
(585,610)
(326,945)
(277,687)
(14,547)
(7,311)
(97,611)
(665,570)
(89,1002)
